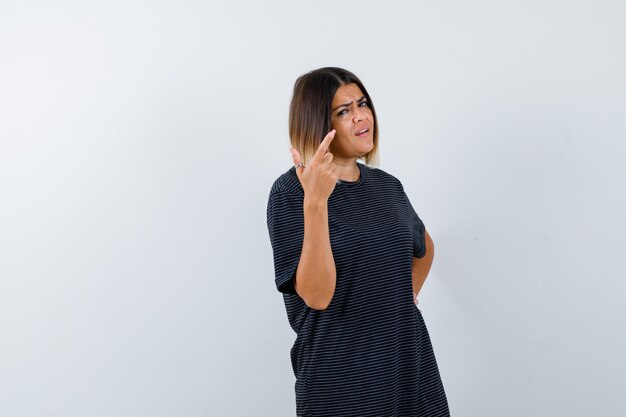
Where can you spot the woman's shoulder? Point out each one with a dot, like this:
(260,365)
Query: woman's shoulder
(287,182)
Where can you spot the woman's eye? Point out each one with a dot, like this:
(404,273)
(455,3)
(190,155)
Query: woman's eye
(363,103)
(341,113)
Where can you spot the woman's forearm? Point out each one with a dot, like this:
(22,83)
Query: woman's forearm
(316,276)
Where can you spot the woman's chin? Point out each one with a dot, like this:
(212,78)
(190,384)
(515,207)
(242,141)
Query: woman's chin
(366,149)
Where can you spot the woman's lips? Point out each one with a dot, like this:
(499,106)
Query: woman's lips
(365,133)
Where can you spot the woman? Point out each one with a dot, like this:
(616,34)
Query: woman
(350,257)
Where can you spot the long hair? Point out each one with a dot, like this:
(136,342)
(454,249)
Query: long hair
(310,110)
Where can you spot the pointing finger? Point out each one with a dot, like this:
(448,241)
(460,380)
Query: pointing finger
(325,143)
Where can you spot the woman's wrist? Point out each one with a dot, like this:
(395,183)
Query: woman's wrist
(315,203)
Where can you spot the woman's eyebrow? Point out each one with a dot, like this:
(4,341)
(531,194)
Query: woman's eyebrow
(348,103)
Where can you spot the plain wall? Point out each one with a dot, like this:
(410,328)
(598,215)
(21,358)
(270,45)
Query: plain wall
(139,141)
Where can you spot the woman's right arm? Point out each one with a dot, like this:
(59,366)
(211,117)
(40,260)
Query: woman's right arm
(316,276)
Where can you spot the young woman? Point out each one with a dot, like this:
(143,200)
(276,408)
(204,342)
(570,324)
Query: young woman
(350,257)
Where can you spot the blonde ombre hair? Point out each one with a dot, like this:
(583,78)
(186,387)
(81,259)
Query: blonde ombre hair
(310,110)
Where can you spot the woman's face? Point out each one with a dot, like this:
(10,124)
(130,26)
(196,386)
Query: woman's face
(351,115)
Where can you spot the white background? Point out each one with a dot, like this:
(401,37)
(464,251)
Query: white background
(139,141)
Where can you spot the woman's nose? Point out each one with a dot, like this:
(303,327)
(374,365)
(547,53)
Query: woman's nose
(358,114)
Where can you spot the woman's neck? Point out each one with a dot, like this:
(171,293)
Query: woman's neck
(347,169)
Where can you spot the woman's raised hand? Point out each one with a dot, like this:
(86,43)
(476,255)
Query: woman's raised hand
(318,178)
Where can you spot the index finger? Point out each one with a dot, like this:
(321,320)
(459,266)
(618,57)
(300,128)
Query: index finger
(325,143)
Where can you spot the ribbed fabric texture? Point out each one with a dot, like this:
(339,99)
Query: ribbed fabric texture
(369,353)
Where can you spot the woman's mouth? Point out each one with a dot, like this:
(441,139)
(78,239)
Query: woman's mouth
(363,132)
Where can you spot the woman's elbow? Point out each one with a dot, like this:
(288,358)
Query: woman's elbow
(317,303)
(316,298)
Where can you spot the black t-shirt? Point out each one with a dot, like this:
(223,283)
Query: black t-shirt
(369,352)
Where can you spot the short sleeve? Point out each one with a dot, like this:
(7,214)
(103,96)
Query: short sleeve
(285,223)
(419,231)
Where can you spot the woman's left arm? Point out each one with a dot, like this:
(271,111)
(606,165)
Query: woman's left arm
(421,266)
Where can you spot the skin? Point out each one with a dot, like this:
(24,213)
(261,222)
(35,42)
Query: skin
(350,114)
(334,159)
